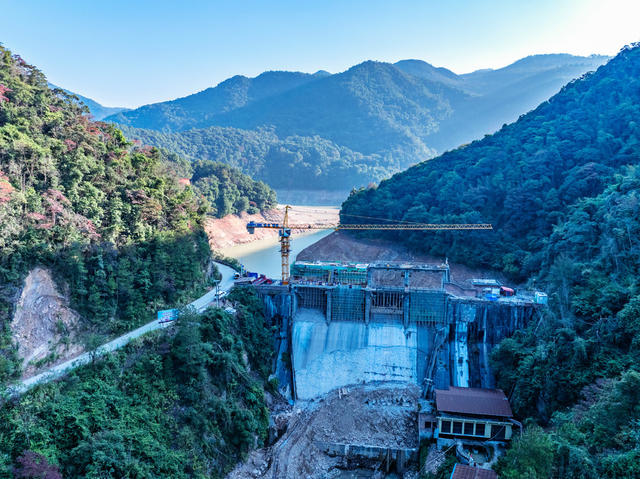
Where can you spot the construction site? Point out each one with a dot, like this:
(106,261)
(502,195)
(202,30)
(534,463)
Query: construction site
(364,349)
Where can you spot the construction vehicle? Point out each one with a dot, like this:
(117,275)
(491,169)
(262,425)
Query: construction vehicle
(284,231)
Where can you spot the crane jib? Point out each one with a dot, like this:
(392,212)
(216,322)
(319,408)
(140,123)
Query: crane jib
(284,231)
(417,226)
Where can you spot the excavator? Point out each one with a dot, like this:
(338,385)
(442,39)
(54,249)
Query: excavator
(284,231)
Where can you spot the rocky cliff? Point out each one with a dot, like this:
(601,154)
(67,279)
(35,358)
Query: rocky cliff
(44,326)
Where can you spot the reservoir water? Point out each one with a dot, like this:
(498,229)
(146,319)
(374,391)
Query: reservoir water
(263,256)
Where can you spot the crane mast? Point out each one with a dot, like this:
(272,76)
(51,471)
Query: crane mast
(284,232)
(285,245)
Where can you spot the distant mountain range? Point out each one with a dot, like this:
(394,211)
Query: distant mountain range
(386,116)
(97,110)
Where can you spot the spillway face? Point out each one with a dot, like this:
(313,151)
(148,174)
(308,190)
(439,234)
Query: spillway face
(330,355)
(475,328)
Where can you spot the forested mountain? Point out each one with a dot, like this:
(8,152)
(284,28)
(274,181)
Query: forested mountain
(501,96)
(280,162)
(97,110)
(109,218)
(561,188)
(123,232)
(366,122)
(401,109)
(226,189)
(197,110)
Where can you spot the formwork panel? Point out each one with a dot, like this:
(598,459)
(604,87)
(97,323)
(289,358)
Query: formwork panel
(312,273)
(329,273)
(347,304)
(427,307)
(389,302)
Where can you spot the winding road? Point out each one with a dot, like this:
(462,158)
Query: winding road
(55,372)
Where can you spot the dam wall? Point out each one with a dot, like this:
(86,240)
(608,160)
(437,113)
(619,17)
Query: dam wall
(332,336)
(328,355)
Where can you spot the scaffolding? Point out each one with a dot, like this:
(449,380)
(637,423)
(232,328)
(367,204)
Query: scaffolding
(329,273)
(427,307)
(347,303)
(301,272)
(313,298)
(350,275)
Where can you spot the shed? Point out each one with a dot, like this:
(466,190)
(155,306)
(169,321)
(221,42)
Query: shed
(473,414)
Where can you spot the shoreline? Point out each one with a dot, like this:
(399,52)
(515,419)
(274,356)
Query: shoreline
(230,231)
(242,249)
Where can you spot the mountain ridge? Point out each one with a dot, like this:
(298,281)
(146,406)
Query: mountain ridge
(415,109)
(410,66)
(98,111)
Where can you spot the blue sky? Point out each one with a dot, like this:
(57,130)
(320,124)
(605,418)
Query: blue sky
(129,53)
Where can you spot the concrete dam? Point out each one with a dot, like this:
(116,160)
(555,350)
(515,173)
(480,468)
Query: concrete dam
(346,324)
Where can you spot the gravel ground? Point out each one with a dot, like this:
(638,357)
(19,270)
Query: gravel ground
(380,414)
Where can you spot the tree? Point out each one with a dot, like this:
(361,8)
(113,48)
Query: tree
(530,456)
(32,465)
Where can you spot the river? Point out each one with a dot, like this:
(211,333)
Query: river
(263,256)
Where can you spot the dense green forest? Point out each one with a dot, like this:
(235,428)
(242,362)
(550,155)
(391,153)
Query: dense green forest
(180,403)
(561,187)
(197,110)
(293,162)
(112,220)
(351,128)
(226,189)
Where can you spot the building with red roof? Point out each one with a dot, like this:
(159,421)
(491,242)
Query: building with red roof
(460,471)
(472,415)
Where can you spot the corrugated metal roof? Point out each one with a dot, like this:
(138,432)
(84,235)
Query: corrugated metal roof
(478,402)
(460,471)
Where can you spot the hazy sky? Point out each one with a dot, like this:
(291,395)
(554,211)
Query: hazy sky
(133,52)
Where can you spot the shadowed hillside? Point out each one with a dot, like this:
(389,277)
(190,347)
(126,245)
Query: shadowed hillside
(560,187)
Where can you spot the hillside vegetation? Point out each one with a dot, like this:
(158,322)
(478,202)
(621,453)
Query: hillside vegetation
(98,111)
(224,189)
(110,219)
(197,110)
(283,163)
(183,403)
(350,128)
(561,188)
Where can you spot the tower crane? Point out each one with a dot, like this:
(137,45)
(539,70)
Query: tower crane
(284,231)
